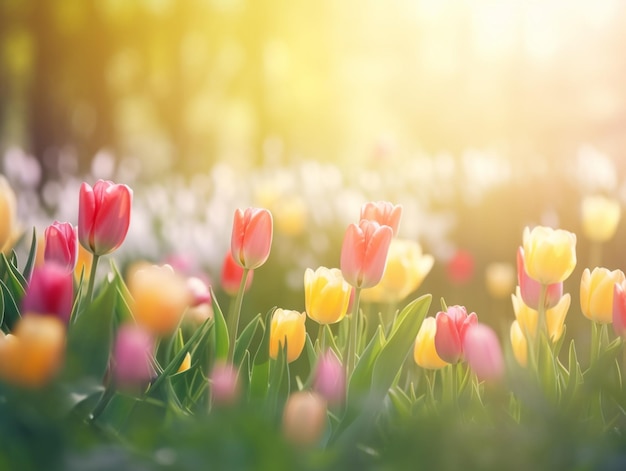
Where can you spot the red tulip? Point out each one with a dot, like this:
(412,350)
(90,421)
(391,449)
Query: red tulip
(232,273)
(461,267)
(483,352)
(50,292)
(384,213)
(451,328)
(364,253)
(103,216)
(251,238)
(61,244)
(530,289)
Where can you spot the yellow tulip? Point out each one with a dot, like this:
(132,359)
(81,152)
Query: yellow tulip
(425,353)
(8,211)
(519,344)
(526,317)
(500,279)
(159,298)
(326,295)
(405,271)
(596,293)
(287,325)
(549,254)
(186,364)
(600,217)
(34,352)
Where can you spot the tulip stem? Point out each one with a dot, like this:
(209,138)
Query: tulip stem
(321,338)
(353,335)
(92,276)
(233,318)
(541,317)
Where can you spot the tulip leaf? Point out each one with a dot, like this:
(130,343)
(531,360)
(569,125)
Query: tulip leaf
(278,381)
(263,352)
(259,379)
(361,377)
(400,401)
(220,333)
(1,310)
(32,255)
(242,344)
(90,337)
(11,311)
(14,279)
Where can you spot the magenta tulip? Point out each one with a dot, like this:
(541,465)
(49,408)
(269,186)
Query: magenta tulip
(483,352)
(330,378)
(103,216)
(450,333)
(50,292)
(132,357)
(61,245)
(251,238)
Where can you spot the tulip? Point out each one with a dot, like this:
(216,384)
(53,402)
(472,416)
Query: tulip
(186,364)
(596,293)
(232,273)
(499,279)
(304,418)
(384,213)
(519,344)
(425,353)
(549,254)
(450,332)
(460,267)
(251,238)
(600,217)
(326,295)
(61,245)
(619,309)
(330,378)
(159,298)
(530,289)
(483,352)
(225,388)
(50,292)
(527,317)
(103,216)
(8,214)
(364,253)
(287,326)
(404,272)
(33,354)
(132,357)
(198,291)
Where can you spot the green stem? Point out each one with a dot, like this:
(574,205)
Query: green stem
(321,338)
(233,317)
(353,335)
(104,401)
(595,343)
(541,319)
(92,276)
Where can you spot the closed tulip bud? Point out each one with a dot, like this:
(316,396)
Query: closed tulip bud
(384,213)
(287,326)
(132,361)
(186,364)
(232,273)
(596,293)
(103,216)
(61,245)
(224,381)
(33,354)
(619,309)
(364,253)
(600,217)
(549,254)
(251,238)
(330,378)
(404,273)
(530,289)
(304,418)
(483,352)
(519,344)
(159,298)
(450,332)
(8,214)
(50,292)
(425,353)
(500,279)
(326,295)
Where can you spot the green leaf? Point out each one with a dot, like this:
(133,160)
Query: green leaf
(14,279)
(32,255)
(361,378)
(221,330)
(242,344)
(263,353)
(11,311)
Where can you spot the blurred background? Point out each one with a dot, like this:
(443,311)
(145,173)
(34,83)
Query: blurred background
(479,116)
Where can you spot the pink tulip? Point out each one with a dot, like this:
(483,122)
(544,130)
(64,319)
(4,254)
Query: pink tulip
(384,213)
(61,245)
(530,289)
(364,253)
(450,333)
(251,238)
(198,291)
(225,389)
(483,352)
(103,216)
(619,309)
(330,378)
(50,292)
(232,273)
(132,357)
